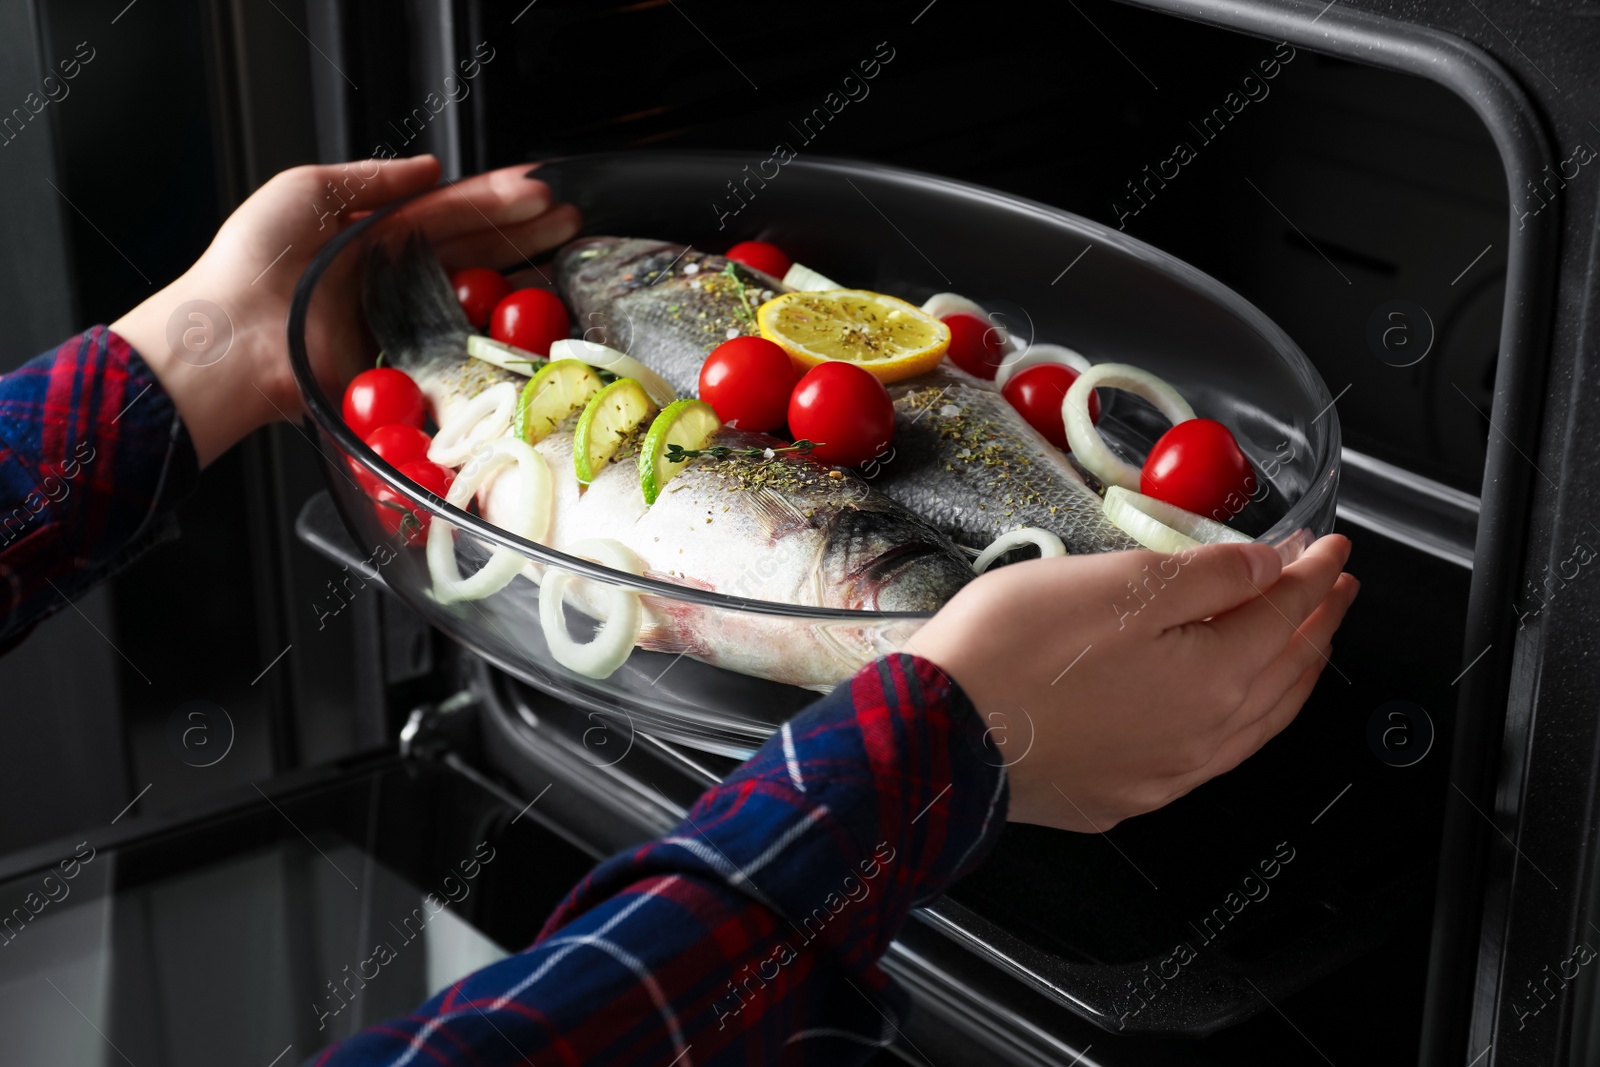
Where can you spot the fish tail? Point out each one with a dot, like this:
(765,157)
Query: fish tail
(411,307)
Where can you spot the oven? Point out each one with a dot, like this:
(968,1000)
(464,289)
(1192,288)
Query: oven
(1407,191)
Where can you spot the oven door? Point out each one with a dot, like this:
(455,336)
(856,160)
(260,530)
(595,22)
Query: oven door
(272,922)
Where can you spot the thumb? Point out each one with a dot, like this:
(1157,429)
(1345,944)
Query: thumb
(1213,579)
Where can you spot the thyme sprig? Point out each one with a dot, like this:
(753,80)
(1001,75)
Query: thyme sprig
(747,307)
(678,454)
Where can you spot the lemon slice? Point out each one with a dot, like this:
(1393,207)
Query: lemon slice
(557,391)
(687,423)
(611,415)
(881,334)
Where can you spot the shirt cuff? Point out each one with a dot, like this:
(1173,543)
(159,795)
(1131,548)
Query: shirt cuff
(93,460)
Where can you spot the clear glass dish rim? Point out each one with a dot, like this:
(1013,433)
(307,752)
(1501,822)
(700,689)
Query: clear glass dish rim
(327,420)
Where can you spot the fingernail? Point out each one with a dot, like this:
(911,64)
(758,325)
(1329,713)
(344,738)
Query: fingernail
(552,180)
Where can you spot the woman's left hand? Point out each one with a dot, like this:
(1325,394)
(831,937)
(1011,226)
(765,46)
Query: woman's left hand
(216,337)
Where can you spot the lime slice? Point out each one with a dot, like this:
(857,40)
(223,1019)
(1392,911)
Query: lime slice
(619,363)
(1163,527)
(559,390)
(686,423)
(611,415)
(502,355)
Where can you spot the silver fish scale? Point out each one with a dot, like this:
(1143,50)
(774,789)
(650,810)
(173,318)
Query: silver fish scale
(965,460)
(663,304)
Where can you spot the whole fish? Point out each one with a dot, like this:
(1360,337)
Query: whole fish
(784,529)
(962,457)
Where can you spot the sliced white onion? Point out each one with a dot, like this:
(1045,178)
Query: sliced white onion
(504,356)
(619,363)
(806,280)
(1088,447)
(1164,527)
(483,418)
(1049,545)
(528,516)
(619,626)
(1036,354)
(941,304)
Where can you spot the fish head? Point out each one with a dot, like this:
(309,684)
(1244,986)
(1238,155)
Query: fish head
(601,278)
(610,266)
(886,559)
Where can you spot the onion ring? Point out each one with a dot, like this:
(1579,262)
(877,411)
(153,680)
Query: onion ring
(483,418)
(1049,546)
(1088,447)
(529,518)
(1164,527)
(1036,354)
(619,628)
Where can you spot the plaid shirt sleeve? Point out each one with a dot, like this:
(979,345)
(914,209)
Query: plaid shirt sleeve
(93,459)
(752,932)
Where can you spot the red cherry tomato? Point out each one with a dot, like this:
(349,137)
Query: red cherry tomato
(479,289)
(748,380)
(976,346)
(845,410)
(761,256)
(393,509)
(1037,393)
(383,396)
(530,319)
(397,444)
(1198,466)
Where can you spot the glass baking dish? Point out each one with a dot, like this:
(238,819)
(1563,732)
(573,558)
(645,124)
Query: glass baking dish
(1053,276)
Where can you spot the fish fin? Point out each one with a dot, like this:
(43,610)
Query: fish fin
(411,307)
(670,625)
(780,512)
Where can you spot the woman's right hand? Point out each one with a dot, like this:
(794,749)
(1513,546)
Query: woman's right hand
(1129,678)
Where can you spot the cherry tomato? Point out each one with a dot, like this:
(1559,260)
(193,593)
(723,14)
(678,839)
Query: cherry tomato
(845,410)
(530,319)
(393,509)
(479,289)
(397,444)
(761,256)
(1037,392)
(748,380)
(1198,466)
(383,396)
(976,346)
